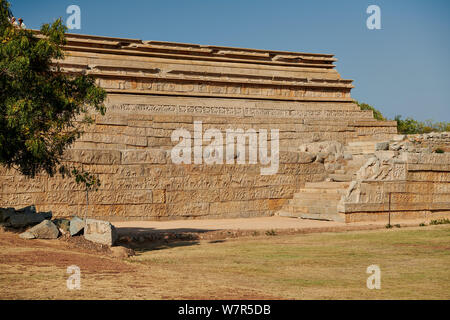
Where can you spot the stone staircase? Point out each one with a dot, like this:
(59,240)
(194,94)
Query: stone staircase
(320,200)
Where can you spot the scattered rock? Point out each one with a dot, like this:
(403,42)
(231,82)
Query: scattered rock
(44,230)
(398,137)
(63,225)
(348,156)
(122,252)
(100,232)
(76,226)
(5,213)
(382,146)
(27,210)
(27,235)
(27,218)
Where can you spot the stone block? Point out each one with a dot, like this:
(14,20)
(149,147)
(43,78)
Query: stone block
(76,226)
(20,220)
(99,231)
(44,230)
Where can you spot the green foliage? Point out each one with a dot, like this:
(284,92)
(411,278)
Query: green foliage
(411,126)
(271,232)
(439,221)
(376,113)
(39,104)
(439,150)
(89,181)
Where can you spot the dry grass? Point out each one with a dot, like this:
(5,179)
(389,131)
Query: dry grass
(414,264)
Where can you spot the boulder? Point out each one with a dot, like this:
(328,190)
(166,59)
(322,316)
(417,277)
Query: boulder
(63,225)
(27,235)
(382,146)
(5,213)
(76,226)
(27,210)
(27,218)
(398,137)
(98,231)
(122,252)
(44,230)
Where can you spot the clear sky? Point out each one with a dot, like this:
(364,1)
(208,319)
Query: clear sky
(401,69)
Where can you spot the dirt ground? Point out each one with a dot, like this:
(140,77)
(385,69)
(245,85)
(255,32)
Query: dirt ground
(240,264)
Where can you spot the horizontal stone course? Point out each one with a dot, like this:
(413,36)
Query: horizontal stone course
(155,88)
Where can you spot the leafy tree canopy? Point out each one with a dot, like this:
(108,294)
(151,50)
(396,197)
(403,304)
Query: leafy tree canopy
(409,125)
(39,104)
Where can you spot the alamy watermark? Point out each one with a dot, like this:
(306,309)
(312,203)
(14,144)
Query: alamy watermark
(374,20)
(74,20)
(74,280)
(230,150)
(374,281)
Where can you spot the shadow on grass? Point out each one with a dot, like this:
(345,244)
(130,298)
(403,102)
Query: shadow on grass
(140,248)
(149,239)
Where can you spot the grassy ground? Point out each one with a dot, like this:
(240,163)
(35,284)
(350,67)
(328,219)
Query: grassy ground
(414,262)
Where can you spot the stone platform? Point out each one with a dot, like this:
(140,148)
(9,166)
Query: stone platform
(155,88)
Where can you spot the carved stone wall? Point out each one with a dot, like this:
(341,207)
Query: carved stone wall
(155,88)
(412,185)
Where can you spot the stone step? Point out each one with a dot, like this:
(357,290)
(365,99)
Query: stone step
(325,217)
(317,196)
(361,158)
(313,202)
(284,213)
(327,185)
(322,191)
(341,177)
(312,209)
(362,143)
(359,151)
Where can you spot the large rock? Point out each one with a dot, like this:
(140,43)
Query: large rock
(44,230)
(101,232)
(27,235)
(382,146)
(63,225)
(27,210)
(23,218)
(5,213)
(76,226)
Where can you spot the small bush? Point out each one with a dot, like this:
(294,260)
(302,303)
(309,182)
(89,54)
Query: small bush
(439,221)
(271,233)
(388,226)
(376,113)
(439,150)
(411,126)
(422,225)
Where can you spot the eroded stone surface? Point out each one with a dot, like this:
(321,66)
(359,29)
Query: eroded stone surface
(44,230)
(323,134)
(99,231)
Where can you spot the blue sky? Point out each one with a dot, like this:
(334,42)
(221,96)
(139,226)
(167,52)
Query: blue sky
(400,69)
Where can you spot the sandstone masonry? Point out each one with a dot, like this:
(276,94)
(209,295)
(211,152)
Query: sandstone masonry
(157,87)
